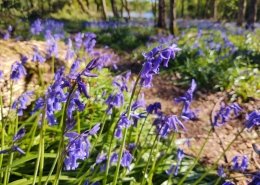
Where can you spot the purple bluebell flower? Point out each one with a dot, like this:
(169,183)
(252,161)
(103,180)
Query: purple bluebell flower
(253,119)
(17,71)
(74,68)
(118,133)
(39,103)
(121,81)
(224,114)
(70,52)
(36,27)
(101,158)
(124,122)
(154,108)
(24,59)
(126,159)
(78,40)
(94,130)
(52,47)
(37,57)
(19,135)
(256,179)
(221,172)
(240,163)
(187,99)
(14,148)
(138,103)
(166,124)
(174,169)
(89,41)
(77,148)
(113,158)
(82,88)
(169,53)
(114,100)
(21,103)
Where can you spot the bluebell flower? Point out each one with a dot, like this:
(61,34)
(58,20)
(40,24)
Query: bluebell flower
(240,163)
(174,169)
(52,47)
(256,179)
(186,99)
(224,114)
(166,124)
(154,108)
(74,68)
(101,158)
(37,57)
(70,52)
(19,135)
(36,27)
(39,104)
(221,172)
(113,158)
(17,71)
(24,59)
(114,100)
(82,88)
(78,40)
(89,41)
(121,81)
(253,119)
(118,133)
(21,103)
(138,103)
(124,122)
(126,159)
(168,53)
(77,148)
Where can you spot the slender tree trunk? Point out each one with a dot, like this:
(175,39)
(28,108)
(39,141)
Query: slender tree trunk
(127,9)
(104,9)
(198,8)
(182,8)
(206,8)
(241,12)
(172,25)
(161,15)
(98,4)
(83,8)
(252,14)
(114,8)
(215,10)
(87,1)
(154,10)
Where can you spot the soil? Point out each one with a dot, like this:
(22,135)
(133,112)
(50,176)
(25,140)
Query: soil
(164,90)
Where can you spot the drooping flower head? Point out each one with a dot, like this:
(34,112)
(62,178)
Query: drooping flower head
(240,163)
(186,99)
(21,103)
(36,27)
(253,119)
(37,57)
(174,169)
(126,159)
(17,71)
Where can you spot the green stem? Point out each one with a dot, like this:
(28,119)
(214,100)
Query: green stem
(219,158)
(39,162)
(125,132)
(150,156)
(2,133)
(217,181)
(196,159)
(61,144)
(42,143)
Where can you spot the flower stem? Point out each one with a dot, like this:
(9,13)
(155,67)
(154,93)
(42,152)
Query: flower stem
(61,144)
(125,132)
(196,159)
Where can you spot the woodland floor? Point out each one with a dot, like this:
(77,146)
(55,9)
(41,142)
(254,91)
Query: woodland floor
(164,90)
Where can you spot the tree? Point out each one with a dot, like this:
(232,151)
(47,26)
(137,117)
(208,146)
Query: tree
(198,8)
(161,15)
(182,8)
(172,25)
(104,9)
(252,12)
(241,12)
(215,9)
(114,8)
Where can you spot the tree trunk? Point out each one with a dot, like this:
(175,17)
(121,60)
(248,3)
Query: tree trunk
(83,8)
(154,10)
(161,16)
(114,8)
(206,8)
(182,8)
(172,25)
(98,4)
(87,1)
(125,3)
(241,12)
(252,9)
(198,8)
(215,10)
(104,9)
